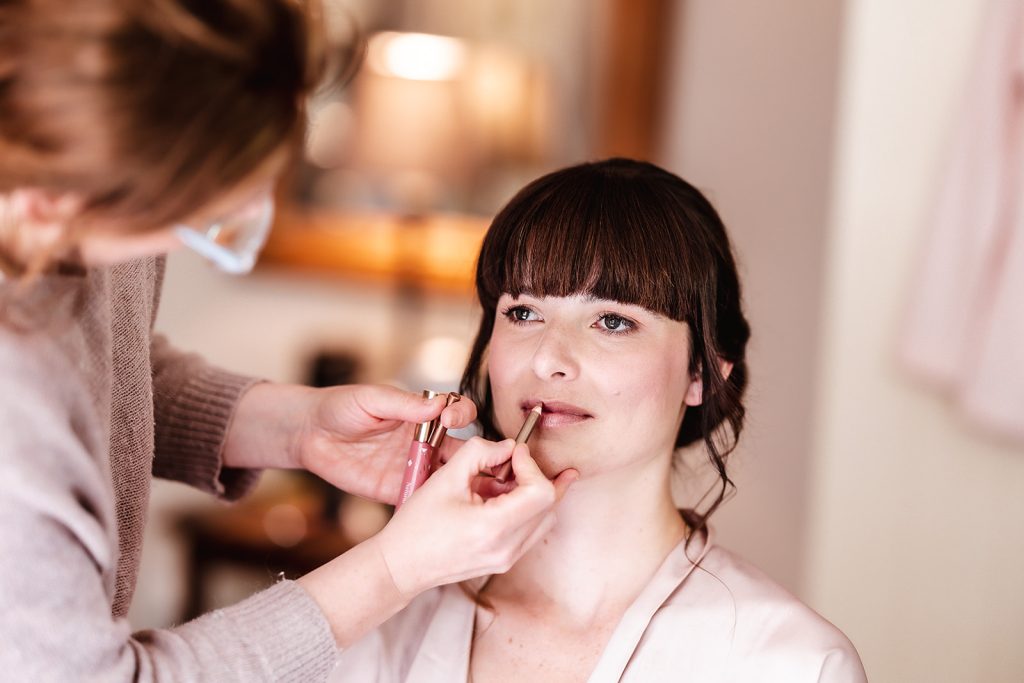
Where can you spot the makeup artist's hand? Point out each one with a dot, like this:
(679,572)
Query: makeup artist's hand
(444,533)
(447,532)
(355,436)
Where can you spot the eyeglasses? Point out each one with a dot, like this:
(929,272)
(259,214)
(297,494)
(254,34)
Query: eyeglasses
(233,242)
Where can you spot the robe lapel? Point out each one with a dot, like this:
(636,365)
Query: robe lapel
(444,654)
(670,575)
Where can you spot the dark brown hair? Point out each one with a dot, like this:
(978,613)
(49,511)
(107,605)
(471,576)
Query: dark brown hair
(149,110)
(631,232)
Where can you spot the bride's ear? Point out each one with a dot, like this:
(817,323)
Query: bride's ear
(695,392)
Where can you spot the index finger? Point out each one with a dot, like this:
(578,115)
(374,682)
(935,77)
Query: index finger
(534,492)
(387,403)
(527,472)
(525,467)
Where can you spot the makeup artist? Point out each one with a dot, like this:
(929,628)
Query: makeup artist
(129,128)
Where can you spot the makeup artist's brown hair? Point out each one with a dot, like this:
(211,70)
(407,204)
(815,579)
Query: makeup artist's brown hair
(631,232)
(151,109)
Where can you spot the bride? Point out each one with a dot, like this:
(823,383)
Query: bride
(610,295)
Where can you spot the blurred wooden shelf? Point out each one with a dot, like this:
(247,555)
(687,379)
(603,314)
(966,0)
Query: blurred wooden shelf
(434,252)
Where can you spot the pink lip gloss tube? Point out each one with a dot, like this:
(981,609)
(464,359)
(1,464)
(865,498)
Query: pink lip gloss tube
(417,465)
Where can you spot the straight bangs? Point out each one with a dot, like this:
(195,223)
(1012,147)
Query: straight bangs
(603,235)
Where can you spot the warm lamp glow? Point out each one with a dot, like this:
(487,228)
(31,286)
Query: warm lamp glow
(434,121)
(416,56)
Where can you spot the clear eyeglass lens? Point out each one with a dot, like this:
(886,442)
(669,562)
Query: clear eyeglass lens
(233,243)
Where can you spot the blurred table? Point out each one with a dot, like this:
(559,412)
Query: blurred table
(288,536)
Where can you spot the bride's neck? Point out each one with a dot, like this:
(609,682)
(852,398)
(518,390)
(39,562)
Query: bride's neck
(612,533)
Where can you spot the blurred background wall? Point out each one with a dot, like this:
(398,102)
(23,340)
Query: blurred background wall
(750,111)
(917,518)
(818,128)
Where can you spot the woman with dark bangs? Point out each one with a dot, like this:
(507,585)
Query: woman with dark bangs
(610,295)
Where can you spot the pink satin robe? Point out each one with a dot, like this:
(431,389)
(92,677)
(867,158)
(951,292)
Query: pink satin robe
(723,621)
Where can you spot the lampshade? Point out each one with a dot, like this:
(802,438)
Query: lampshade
(430,112)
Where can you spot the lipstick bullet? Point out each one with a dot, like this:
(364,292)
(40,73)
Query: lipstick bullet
(502,471)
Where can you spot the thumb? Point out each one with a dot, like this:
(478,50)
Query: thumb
(563,481)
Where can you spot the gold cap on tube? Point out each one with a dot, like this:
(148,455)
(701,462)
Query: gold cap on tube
(439,429)
(423,429)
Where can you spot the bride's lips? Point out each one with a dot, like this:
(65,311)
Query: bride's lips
(558,413)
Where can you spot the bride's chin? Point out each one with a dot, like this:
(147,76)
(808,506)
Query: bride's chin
(553,463)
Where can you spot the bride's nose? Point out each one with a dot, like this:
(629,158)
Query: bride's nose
(554,357)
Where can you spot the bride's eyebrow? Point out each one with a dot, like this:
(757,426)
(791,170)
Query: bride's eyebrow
(590,298)
(593,298)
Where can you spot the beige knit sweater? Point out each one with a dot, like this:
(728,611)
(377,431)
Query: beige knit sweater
(90,408)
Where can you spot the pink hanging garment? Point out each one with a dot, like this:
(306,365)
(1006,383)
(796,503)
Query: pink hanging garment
(965,323)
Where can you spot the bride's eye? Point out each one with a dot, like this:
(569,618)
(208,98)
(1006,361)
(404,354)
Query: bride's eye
(520,314)
(615,324)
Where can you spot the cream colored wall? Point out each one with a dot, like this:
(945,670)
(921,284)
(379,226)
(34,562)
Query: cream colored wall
(749,120)
(271,322)
(917,539)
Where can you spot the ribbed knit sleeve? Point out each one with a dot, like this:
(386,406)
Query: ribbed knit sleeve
(277,635)
(59,553)
(193,403)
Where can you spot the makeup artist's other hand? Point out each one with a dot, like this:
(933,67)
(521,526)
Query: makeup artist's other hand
(354,436)
(446,532)
(358,436)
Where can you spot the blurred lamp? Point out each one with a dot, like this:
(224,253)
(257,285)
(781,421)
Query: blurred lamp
(429,112)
